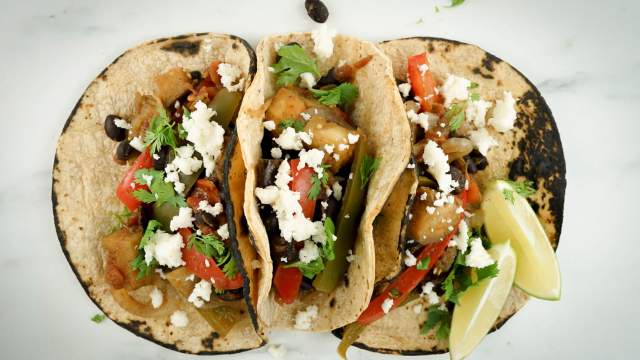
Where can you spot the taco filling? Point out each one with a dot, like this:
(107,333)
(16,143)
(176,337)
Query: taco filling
(313,174)
(175,235)
(444,245)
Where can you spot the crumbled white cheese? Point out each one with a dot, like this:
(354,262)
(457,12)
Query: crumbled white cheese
(155,156)
(405,89)
(430,210)
(305,116)
(455,88)
(417,309)
(156,297)
(309,252)
(313,159)
(289,139)
(307,80)
(328,148)
(223,231)
(165,248)
(323,41)
(305,317)
(200,294)
(476,112)
(427,291)
(409,259)
(478,257)
(411,166)
(173,176)
(122,124)
(184,219)
(269,125)
(291,220)
(482,140)
(191,277)
(277,351)
(206,136)
(423,119)
(137,144)
(337,190)
(214,210)
(336,156)
(350,256)
(343,147)
(352,138)
(179,318)
(276,152)
(387,304)
(423,68)
(504,113)
(230,76)
(438,163)
(147,179)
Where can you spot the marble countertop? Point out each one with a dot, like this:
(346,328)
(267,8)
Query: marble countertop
(583,56)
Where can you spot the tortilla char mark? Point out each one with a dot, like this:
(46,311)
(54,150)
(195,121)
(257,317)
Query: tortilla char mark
(183,47)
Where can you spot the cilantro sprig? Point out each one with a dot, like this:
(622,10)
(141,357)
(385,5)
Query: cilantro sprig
(461,278)
(298,125)
(437,319)
(139,264)
(423,264)
(369,165)
(317,183)
(316,266)
(160,132)
(210,246)
(98,318)
(455,114)
(524,188)
(329,232)
(342,95)
(161,191)
(293,62)
(310,269)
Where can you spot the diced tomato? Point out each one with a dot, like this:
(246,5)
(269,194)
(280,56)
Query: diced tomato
(474,196)
(302,183)
(401,287)
(422,82)
(213,73)
(128,185)
(196,262)
(287,283)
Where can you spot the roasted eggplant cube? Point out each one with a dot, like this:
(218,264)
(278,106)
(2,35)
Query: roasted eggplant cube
(327,132)
(286,104)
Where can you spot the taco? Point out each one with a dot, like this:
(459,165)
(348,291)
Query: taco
(148,188)
(324,138)
(477,125)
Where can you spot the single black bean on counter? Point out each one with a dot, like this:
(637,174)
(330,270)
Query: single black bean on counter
(114,132)
(316,10)
(124,151)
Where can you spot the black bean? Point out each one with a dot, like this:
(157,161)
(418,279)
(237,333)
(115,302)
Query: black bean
(195,75)
(114,132)
(124,151)
(476,161)
(329,79)
(162,158)
(316,10)
(458,175)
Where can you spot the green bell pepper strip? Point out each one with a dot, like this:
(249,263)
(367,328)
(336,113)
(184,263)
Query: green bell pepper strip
(347,224)
(226,105)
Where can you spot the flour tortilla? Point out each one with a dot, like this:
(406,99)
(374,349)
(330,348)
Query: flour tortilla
(85,178)
(379,114)
(532,150)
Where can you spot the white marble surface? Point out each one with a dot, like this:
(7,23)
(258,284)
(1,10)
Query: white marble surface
(583,55)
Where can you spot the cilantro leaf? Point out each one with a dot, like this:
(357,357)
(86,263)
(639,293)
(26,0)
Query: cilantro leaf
(455,115)
(152,226)
(329,231)
(310,269)
(455,3)
(369,165)
(230,268)
(161,191)
(474,97)
(473,85)
(317,183)
(160,132)
(486,272)
(423,264)
(208,245)
(461,278)
(293,62)
(298,125)
(122,218)
(437,318)
(141,266)
(524,188)
(508,195)
(98,318)
(343,94)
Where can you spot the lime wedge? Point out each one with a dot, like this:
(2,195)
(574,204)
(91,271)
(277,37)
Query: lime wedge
(479,307)
(537,273)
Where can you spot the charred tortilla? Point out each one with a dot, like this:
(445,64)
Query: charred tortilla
(85,178)
(532,150)
(378,113)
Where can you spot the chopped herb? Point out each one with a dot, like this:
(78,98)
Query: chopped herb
(369,165)
(473,85)
(343,95)
(423,264)
(293,62)
(152,226)
(310,269)
(98,318)
(524,188)
(437,319)
(394,293)
(456,3)
(141,266)
(508,195)
(437,9)
(161,191)
(212,247)
(298,125)
(474,97)
(122,218)
(329,231)
(160,132)
(317,183)
(230,268)
(455,115)
(461,278)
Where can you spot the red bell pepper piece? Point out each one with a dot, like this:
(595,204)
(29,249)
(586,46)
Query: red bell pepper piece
(407,281)
(302,184)
(287,283)
(128,185)
(422,82)
(196,262)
